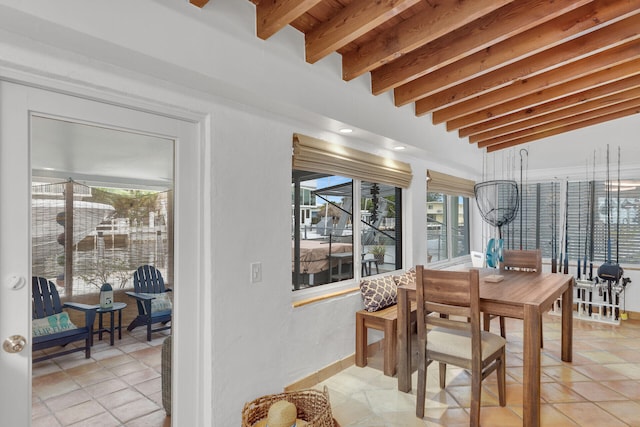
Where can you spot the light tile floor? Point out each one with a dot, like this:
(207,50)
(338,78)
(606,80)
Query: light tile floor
(120,385)
(600,387)
(117,386)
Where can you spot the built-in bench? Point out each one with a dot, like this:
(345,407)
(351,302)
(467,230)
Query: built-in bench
(385,320)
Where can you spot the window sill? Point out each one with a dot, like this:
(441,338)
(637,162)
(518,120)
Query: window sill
(324,292)
(448,264)
(326,296)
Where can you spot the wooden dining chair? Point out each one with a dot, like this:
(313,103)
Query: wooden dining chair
(521,260)
(448,313)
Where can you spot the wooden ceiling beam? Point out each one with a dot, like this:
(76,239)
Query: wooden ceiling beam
(356,19)
(199,3)
(563,129)
(527,113)
(274,15)
(574,50)
(414,32)
(581,68)
(497,26)
(539,40)
(604,77)
(630,106)
(619,101)
(499,72)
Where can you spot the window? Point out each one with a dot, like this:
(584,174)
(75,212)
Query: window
(584,211)
(447,216)
(380,228)
(447,226)
(354,227)
(324,249)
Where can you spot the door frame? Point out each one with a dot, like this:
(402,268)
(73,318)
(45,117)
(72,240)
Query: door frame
(192,343)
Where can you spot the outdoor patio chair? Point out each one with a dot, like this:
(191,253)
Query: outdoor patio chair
(446,300)
(52,326)
(154,304)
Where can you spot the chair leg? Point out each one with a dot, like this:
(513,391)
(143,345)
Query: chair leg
(361,341)
(390,347)
(442,370)
(501,372)
(476,390)
(149,330)
(422,383)
(486,321)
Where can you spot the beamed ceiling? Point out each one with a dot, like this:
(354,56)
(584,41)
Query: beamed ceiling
(500,73)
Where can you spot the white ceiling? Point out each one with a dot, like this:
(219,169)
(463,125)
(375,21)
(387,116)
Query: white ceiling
(99,156)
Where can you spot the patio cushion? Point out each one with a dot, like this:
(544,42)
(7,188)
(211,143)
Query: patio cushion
(52,324)
(378,293)
(161,302)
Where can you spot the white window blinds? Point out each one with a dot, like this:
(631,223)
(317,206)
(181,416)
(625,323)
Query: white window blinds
(316,155)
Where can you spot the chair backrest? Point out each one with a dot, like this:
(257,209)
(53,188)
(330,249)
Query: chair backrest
(455,295)
(477,259)
(525,260)
(45,298)
(147,279)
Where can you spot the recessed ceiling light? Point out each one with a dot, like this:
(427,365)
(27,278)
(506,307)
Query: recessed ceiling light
(399,147)
(345,130)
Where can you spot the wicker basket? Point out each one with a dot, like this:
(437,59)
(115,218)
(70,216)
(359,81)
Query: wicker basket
(313,407)
(166,374)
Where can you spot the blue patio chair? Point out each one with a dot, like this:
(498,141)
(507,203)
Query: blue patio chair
(52,326)
(154,305)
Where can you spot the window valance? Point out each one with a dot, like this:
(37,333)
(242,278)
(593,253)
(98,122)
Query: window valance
(448,184)
(316,155)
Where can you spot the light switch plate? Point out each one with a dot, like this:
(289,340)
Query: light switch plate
(256,272)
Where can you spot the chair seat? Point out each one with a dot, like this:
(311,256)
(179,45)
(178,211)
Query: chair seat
(458,343)
(62,339)
(59,335)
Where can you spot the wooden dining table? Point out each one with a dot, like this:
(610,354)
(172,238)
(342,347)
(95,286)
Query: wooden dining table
(521,295)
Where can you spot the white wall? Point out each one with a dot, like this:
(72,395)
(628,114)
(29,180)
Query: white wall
(256,94)
(260,343)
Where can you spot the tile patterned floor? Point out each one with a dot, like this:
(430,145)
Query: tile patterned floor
(600,387)
(120,385)
(117,386)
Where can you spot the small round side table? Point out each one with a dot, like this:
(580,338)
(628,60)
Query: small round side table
(117,307)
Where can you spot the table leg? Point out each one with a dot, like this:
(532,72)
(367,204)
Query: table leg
(331,258)
(567,323)
(100,326)
(111,329)
(119,324)
(404,342)
(531,370)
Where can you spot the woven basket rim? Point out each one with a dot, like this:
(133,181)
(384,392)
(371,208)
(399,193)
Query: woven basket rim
(313,406)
